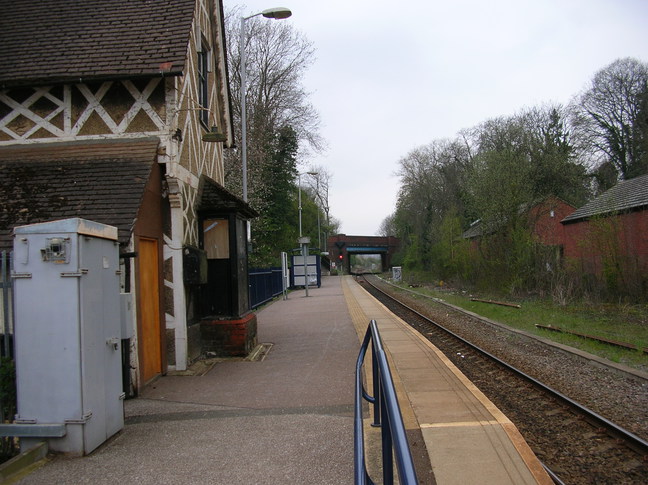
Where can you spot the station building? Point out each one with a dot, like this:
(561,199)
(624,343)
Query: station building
(119,112)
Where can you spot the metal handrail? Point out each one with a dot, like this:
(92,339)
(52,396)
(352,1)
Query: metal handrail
(385,408)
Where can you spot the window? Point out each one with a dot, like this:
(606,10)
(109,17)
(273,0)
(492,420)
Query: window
(216,238)
(203,88)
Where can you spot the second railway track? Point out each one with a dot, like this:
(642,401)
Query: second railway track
(577,447)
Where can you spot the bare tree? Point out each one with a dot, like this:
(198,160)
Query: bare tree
(320,185)
(610,117)
(277,58)
(282,126)
(388,226)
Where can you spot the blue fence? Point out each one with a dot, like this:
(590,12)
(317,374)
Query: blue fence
(387,416)
(265,284)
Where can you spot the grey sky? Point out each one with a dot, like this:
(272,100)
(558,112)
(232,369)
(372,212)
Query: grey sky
(392,76)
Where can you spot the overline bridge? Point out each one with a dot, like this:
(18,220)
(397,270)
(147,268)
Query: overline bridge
(341,248)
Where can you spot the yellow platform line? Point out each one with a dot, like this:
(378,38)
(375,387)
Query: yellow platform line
(361,322)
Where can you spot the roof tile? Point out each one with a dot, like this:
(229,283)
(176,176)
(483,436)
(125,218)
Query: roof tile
(627,195)
(50,41)
(101,181)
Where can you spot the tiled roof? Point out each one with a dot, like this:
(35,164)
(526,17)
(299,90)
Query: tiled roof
(53,41)
(100,181)
(475,230)
(626,195)
(215,197)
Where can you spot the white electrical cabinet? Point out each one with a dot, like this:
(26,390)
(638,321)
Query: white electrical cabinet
(68,332)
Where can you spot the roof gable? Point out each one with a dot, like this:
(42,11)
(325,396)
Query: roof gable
(213,197)
(52,41)
(99,181)
(627,195)
(537,208)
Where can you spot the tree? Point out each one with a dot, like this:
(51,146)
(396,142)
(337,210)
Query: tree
(277,58)
(276,228)
(432,183)
(522,159)
(320,185)
(282,125)
(555,168)
(388,226)
(611,117)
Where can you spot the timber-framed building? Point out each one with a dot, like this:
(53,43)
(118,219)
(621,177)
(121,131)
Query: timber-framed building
(118,111)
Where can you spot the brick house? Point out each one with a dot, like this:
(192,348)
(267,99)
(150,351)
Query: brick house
(544,221)
(118,111)
(608,237)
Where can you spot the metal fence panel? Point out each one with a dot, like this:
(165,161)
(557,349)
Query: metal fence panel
(6,297)
(265,284)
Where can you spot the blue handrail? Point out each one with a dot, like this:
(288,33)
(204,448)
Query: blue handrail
(385,404)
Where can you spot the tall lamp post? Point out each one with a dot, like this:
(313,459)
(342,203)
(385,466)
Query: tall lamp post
(303,241)
(277,13)
(300,204)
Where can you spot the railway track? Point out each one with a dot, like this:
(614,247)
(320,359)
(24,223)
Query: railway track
(576,444)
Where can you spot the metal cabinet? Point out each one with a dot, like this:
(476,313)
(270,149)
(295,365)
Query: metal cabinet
(68,332)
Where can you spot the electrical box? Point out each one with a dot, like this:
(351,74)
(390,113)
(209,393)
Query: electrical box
(126,315)
(194,263)
(68,332)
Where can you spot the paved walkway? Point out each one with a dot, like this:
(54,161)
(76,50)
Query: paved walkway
(289,418)
(286,419)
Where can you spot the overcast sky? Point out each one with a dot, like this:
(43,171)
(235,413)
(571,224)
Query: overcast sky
(391,76)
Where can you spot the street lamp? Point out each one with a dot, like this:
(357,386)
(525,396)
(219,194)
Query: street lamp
(303,241)
(277,13)
(300,204)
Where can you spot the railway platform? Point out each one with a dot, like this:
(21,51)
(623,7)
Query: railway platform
(468,440)
(286,416)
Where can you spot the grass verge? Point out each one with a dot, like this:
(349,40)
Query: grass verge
(625,323)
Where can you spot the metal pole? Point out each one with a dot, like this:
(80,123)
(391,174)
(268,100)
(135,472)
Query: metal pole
(319,236)
(299,203)
(305,256)
(6,278)
(243,109)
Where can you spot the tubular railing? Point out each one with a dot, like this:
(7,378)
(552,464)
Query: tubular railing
(387,416)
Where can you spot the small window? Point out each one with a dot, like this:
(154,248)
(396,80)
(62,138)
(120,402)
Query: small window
(203,87)
(216,238)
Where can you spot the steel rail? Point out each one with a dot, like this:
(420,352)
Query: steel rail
(635,442)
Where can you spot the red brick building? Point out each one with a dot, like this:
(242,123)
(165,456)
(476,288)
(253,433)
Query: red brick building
(544,220)
(608,237)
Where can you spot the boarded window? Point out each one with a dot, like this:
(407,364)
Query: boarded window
(216,238)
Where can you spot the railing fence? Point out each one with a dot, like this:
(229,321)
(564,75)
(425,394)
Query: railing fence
(8,446)
(387,416)
(6,326)
(265,284)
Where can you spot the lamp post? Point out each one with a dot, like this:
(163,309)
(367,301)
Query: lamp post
(303,241)
(277,13)
(300,204)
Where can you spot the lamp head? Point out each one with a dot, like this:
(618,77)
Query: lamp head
(277,13)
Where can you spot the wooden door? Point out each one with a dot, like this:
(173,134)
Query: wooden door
(149,307)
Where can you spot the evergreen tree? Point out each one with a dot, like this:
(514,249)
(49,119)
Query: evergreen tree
(275,230)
